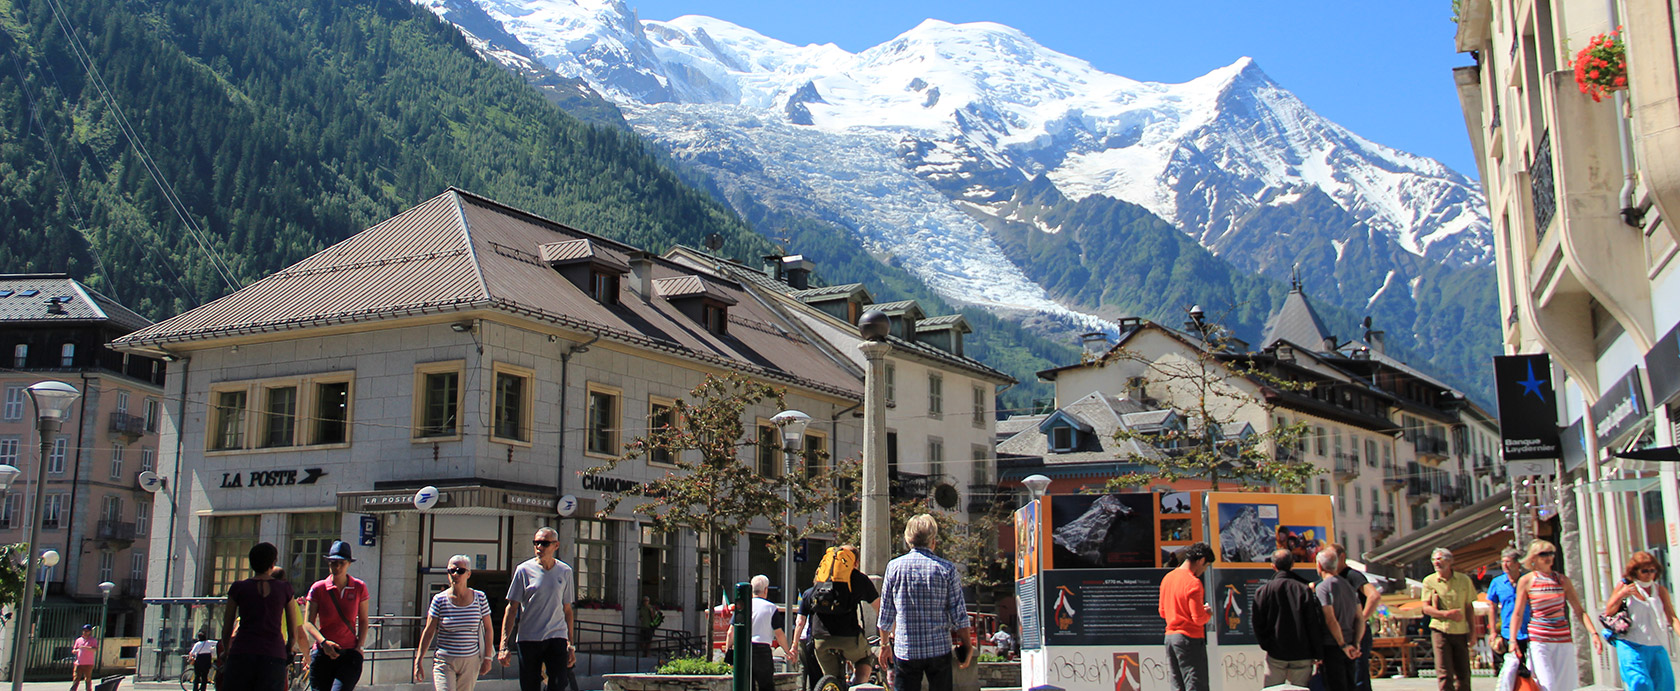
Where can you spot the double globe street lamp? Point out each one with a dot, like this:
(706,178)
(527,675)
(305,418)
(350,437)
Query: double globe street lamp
(52,401)
(792,423)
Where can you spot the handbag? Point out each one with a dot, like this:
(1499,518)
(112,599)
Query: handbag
(1619,621)
(1525,680)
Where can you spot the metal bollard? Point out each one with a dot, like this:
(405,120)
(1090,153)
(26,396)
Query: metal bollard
(742,623)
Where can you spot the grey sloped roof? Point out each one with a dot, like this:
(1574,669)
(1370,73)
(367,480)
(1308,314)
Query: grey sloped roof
(1104,414)
(28,298)
(944,322)
(1296,322)
(831,293)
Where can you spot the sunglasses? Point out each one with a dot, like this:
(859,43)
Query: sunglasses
(1546,554)
(1648,569)
(455,570)
(544,543)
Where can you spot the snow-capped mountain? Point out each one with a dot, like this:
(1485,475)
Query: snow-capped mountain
(921,145)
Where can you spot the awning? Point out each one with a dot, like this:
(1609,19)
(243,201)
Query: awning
(1669,454)
(1475,534)
(474,499)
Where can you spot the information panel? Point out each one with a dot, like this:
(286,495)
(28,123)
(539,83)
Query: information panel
(1102,607)
(1026,606)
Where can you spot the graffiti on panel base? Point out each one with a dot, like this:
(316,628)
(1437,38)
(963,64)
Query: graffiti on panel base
(1076,668)
(1239,666)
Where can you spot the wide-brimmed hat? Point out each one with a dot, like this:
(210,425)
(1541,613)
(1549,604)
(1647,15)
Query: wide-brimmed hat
(339,550)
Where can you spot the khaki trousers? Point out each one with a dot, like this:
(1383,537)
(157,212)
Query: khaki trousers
(455,673)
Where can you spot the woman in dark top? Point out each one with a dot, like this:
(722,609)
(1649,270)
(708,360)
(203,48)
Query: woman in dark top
(256,653)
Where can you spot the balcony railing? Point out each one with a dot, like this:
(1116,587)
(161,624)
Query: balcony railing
(1542,186)
(114,530)
(1432,446)
(133,587)
(1382,523)
(1393,476)
(1346,466)
(131,426)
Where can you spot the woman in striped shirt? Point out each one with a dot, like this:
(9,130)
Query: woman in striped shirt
(459,619)
(1547,595)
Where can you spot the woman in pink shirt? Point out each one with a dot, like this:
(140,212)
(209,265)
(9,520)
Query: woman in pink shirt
(83,648)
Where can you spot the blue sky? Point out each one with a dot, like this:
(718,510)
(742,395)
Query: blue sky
(1381,69)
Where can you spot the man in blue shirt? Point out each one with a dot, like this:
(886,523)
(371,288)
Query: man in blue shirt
(1502,602)
(923,616)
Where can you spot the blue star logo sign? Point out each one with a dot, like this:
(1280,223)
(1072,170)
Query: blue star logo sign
(1531,385)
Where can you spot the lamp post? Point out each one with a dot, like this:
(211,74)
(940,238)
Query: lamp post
(876,542)
(104,616)
(52,400)
(792,423)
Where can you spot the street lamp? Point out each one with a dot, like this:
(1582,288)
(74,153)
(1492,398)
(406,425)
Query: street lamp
(792,423)
(52,401)
(1036,484)
(104,616)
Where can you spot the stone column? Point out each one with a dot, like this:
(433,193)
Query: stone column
(876,544)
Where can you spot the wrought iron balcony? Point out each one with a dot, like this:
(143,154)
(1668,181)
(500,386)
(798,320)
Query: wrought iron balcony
(114,530)
(1393,476)
(1382,523)
(133,587)
(1542,186)
(1346,466)
(125,425)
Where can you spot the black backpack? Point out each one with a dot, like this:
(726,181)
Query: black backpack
(826,599)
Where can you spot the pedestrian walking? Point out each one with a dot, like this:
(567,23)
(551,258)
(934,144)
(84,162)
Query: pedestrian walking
(1643,648)
(84,649)
(1449,599)
(539,607)
(1342,623)
(337,615)
(810,671)
(459,620)
(766,635)
(1547,595)
(1004,641)
(256,655)
(1288,622)
(1502,603)
(1183,603)
(203,656)
(841,589)
(1369,599)
(923,615)
(648,619)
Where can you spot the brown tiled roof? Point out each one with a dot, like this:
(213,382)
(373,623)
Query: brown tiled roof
(459,251)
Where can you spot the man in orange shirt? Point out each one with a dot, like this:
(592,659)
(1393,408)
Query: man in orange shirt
(1185,608)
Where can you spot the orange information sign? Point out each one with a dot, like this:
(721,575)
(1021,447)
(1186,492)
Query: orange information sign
(1248,526)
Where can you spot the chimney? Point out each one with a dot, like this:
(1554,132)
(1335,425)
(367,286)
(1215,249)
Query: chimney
(1329,344)
(641,275)
(796,270)
(773,267)
(1094,343)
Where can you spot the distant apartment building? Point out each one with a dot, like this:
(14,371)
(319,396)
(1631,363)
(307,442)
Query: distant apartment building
(53,327)
(1584,194)
(1398,449)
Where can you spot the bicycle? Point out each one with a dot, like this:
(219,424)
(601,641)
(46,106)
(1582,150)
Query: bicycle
(189,677)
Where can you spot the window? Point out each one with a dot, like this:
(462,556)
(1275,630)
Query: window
(1388,456)
(662,414)
(1358,501)
(8,511)
(51,511)
(137,567)
(116,462)
(437,405)
(1323,486)
(230,541)
(1361,551)
(152,411)
(602,435)
(332,413)
(147,460)
(311,534)
(228,425)
(1371,452)
(595,564)
(659,568)
(768,452)
(816,454)
(1062,438)
(892,384)
(55,460)
(1341,498)
(107,564)
(511,417)
(936,396)
(67,355)
(279,416)
(9,451)
(14,403)
(936,457)
(110,509)
(122,401)
(1318,434)
(716,319)
(20,356)
(603,286)
(1353,451)
(143,519)
(979,475)
(979,406)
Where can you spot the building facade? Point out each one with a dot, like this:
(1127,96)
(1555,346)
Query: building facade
(1582,192)
(94,515)
(472,347)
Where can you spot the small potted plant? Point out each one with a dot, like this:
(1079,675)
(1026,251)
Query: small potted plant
(1601,67)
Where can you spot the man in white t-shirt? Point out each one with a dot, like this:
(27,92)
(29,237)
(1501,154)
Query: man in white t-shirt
(765,634)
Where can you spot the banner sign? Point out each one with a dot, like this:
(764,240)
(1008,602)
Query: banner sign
(1527,407)
(1662,366)
(1619,410)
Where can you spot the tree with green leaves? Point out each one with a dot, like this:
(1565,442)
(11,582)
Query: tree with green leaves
(712,490)
(1216,387)
(12,580)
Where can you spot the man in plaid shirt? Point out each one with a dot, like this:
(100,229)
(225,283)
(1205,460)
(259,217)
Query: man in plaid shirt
(922,612)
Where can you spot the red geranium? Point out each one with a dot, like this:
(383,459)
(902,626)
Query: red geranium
(1601,67)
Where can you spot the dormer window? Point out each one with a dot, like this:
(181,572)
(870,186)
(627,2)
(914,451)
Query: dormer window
(593,267)
(1063,432)
(603,286)
(1063,438)
(716,318)
(698,298)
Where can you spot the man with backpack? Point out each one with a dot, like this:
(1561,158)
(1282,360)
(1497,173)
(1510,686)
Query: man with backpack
(832,612)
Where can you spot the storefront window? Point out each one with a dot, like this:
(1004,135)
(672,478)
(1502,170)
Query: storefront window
(595,563)
(231,540)
(659,568)
(306,554)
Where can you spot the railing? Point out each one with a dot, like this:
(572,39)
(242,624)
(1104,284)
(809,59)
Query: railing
(1432,446)
(1542,186)
(1347,465)
(114,530)
(134,587)
(606,648)
(1382,522)
(127,425)
(1393,475)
